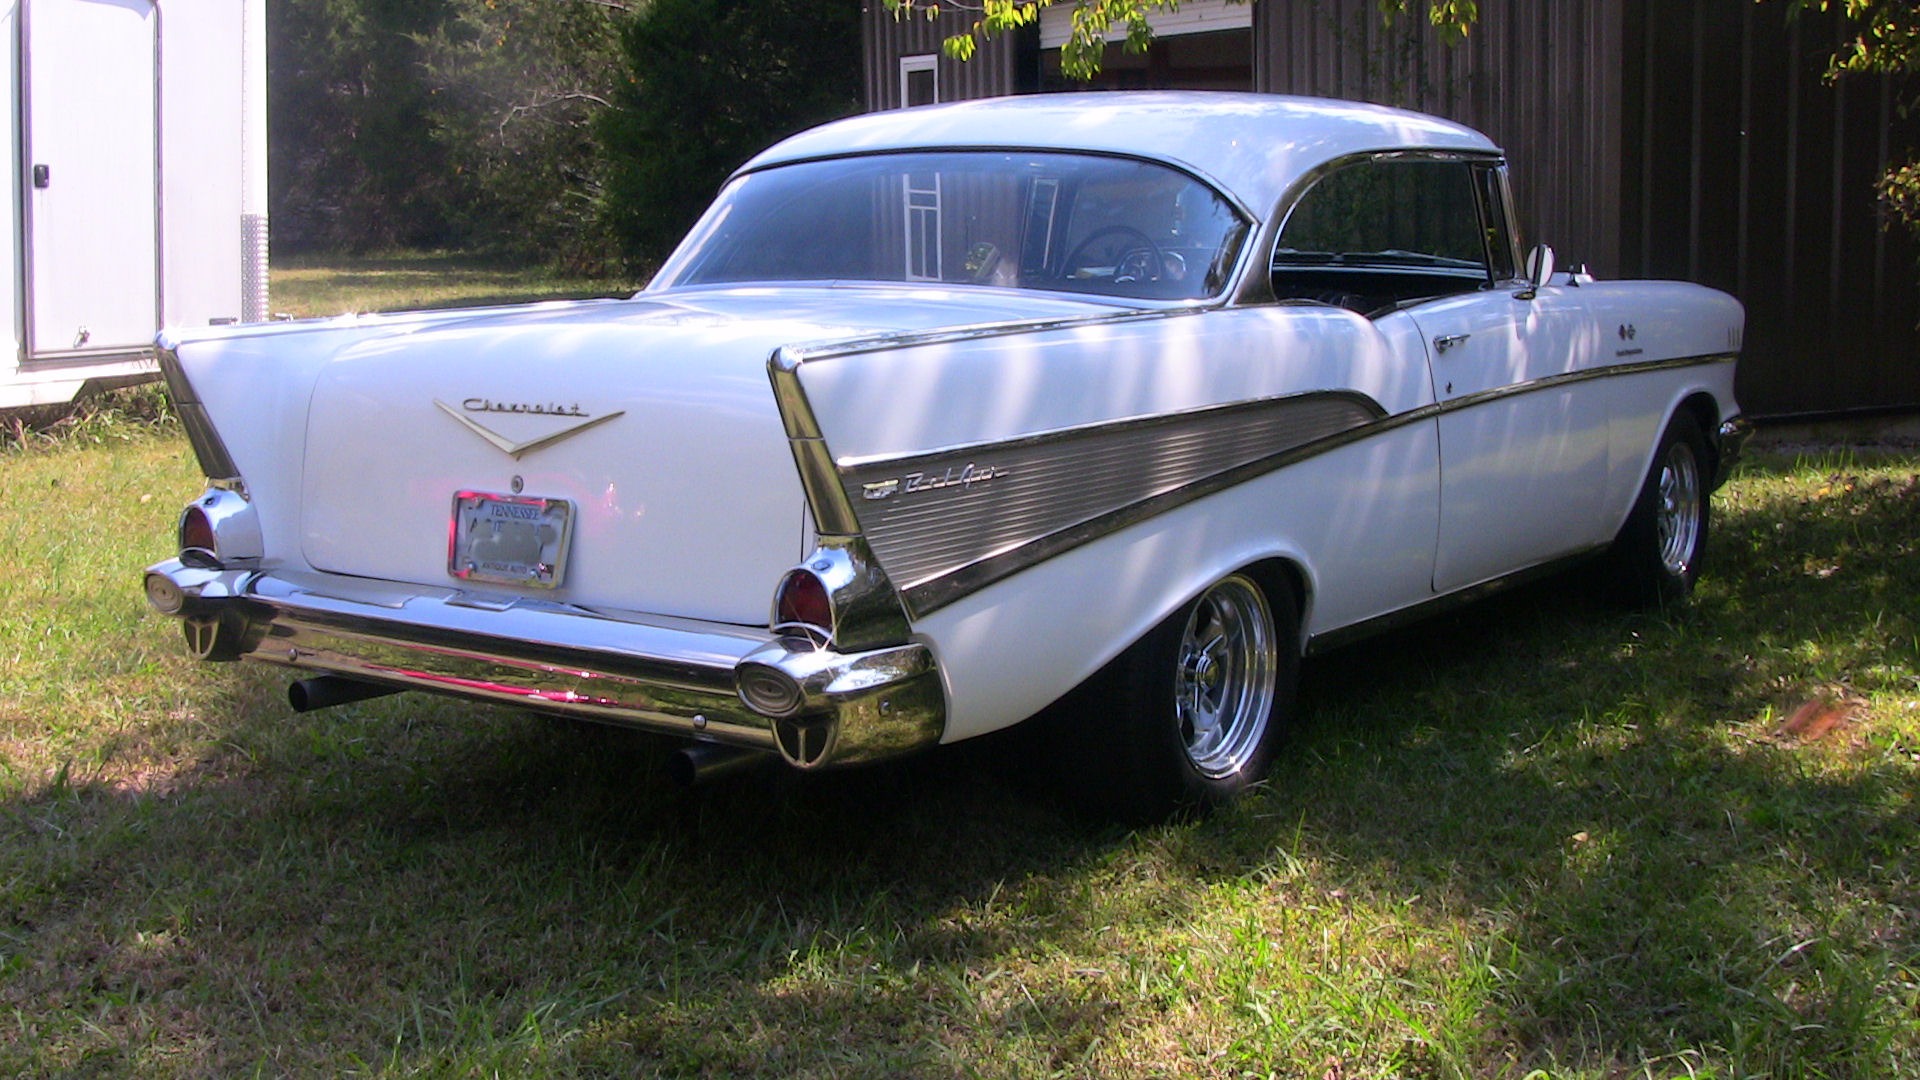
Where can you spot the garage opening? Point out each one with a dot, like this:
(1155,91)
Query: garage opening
(1204,45)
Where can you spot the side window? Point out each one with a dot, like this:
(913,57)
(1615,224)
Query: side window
(1388,230)
(1389,211)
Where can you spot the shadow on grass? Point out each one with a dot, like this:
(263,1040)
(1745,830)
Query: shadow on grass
(417,885)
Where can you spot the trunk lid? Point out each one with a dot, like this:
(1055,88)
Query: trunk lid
(653,421)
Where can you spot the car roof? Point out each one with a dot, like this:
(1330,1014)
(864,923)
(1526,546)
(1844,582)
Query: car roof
(1253,146)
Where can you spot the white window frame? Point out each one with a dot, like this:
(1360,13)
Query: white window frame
(913,65)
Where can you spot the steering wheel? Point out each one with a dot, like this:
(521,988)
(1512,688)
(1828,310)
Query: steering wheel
(1133,258)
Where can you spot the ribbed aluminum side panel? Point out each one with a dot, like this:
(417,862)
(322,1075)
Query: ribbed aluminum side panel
(253,267)
(930,516)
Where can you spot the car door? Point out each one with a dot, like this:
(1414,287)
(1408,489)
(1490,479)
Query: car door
(1523,448)
(1523,441)
(1522,444)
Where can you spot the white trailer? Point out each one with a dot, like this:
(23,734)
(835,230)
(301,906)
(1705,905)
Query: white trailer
(139,152)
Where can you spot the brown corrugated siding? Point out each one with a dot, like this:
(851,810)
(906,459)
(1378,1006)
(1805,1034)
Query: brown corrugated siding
(991,73)
(1752,174)
(1535,77)
(1649,138)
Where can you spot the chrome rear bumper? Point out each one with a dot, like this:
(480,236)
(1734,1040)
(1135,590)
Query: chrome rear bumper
(675,676)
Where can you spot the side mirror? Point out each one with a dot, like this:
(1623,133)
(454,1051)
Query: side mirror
(1539,271)
(1539,266)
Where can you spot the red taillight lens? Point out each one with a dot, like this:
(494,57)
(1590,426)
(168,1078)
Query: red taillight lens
(196,531)
(803,601)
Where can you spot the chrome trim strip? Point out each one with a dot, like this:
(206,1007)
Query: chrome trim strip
(832,514)
(208,448)
(943,525)
(1354,397)
(946,335)
(924,594)
(1638,367)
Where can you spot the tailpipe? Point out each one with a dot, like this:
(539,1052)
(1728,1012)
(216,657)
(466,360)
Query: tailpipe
(701,762)
(326,691)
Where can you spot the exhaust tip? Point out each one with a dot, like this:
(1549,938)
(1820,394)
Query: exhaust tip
(326,691)
(690,766)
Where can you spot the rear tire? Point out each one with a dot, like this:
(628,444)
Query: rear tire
(1656,558)
(1197,706)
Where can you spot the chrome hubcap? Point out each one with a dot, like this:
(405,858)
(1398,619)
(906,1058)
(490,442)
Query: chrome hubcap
(1678,514)
(1224,687)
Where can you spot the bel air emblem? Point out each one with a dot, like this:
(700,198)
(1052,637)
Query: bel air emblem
(961,477)
(516,449)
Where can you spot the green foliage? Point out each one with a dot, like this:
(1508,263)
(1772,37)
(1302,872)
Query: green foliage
(709,83)
(1094,21)
(1887,35)
(1885,41)
(352,161)
(517,84)
(440,123)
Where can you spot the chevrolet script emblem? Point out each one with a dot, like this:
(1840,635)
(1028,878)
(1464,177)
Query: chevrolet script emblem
(516,449)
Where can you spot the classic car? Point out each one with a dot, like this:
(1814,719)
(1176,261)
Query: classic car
(940,414)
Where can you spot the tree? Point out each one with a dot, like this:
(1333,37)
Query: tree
(430,123)
(351,164)
(1886,42)
(1094,20)
(708,83)
(517,86)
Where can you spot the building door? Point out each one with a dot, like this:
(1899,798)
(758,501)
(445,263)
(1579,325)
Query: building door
(89,153)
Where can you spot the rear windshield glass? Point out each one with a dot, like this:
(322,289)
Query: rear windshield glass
(1063,222)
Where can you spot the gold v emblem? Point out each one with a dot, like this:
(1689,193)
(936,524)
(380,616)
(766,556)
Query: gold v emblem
(515,449)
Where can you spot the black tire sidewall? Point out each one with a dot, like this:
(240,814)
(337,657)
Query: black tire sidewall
(1157,770)
(1641,575)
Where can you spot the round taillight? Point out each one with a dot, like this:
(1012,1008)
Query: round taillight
(196,532)
(802,601)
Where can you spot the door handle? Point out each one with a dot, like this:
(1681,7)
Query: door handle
(1442,344)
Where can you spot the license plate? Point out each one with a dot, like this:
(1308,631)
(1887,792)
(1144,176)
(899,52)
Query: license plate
(510,539)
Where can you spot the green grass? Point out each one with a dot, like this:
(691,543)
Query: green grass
(404,281)
(1540,837)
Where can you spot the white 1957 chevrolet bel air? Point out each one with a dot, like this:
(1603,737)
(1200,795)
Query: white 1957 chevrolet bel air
(939,414)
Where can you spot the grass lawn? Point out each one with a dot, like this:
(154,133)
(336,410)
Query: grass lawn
(1539,838)
(404,281)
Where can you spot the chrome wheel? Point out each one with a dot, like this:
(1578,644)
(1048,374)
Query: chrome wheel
(1224,682)
(1677,514)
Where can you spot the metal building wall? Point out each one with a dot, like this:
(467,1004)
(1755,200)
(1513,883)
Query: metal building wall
(1748,171)
(1004,65)
(1537,78)
(1650,138)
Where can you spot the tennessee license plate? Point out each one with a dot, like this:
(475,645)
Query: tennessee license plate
(510,539)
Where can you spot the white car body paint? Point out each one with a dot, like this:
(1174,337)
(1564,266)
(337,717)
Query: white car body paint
(1043,474)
